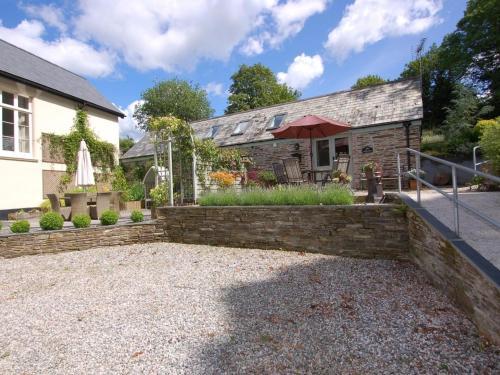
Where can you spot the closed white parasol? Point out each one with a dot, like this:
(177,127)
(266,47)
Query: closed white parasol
(84,170)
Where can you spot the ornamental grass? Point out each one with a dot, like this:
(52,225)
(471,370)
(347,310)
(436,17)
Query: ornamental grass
(333,194)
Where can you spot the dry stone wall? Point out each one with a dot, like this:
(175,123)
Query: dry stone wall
(14,245)
(366,231)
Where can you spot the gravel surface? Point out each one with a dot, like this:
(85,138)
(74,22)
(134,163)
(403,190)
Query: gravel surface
(170,308)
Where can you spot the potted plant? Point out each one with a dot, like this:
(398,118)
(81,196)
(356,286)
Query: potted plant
(132,198)
(159,197)
(413,182)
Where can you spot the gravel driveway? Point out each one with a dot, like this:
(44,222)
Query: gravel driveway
(170,308)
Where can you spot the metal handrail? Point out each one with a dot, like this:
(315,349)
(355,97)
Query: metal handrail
(454,198)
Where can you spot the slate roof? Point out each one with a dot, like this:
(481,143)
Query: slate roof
(23,66)
(392,102)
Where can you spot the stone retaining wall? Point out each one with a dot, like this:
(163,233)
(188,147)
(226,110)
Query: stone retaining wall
(452,265)
(366,231)
(14,245)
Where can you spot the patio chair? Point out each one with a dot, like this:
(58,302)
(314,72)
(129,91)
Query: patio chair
(103,203)
(293,172)
(279,172)
(341,164)
(55,204)
(78,204)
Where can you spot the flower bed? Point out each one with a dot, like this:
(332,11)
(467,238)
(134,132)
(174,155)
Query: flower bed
(333,194)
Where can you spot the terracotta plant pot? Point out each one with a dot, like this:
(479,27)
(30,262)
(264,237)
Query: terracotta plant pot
(413,184)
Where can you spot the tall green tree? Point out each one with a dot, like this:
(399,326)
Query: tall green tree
(473,49)
(175,97)
(256,86)
(437,85)
(367,81)
(126,144)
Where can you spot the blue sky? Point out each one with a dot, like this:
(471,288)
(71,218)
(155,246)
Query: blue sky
(316,46)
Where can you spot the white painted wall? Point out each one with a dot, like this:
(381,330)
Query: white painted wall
(21,183)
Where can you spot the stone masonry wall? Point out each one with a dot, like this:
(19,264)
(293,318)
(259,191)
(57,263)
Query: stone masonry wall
(14,245)
(454,272)
(385,142)
(356,231)
(265,154)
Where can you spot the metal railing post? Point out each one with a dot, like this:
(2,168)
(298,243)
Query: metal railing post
(455,200)
(399,173)
(417,176)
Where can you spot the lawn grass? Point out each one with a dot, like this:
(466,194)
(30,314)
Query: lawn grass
(333,194)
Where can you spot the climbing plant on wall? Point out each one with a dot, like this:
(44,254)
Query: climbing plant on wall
(102,153)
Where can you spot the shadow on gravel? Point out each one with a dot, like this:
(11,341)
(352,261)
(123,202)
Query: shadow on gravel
(343,316)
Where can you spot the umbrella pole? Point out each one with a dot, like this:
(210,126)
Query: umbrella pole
(311,154)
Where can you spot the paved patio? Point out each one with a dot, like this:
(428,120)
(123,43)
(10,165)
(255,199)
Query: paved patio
(475,232)
(184,309)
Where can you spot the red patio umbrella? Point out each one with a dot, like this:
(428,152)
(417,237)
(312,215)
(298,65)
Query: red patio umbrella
(310,126)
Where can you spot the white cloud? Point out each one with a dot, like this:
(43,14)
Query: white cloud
(48,13)
(67,52)
(302,71)
(214,88)
(369,21)
(282,21)
(128,125)
(92,36)
(252,46)
(169,35)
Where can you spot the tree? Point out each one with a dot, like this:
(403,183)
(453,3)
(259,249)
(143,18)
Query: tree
(126,144)
(256,86)
(474,49)
(461,118)
(367,81)
(437,85)
(174,97)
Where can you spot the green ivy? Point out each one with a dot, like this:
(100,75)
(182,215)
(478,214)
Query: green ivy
(102,153)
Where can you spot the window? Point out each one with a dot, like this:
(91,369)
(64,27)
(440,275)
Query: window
(15,117)
(276,121)
(212,132)
(323,153)
(240,128)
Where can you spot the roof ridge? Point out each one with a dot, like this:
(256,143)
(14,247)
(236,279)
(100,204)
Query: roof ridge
(310,98)
(41,58)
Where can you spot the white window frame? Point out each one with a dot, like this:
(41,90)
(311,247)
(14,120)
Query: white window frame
(333,151)
(237,130)
(270,125)
(16,153)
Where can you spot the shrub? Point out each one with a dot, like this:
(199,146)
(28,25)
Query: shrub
(51,221)
(137,216)
(333,194)
(223,179)
(1,225)
(267,178)
(159,194)
(135,192)
(20,226)
(433,143)
(45,206)
(109,217)
(81,221)
(490,145)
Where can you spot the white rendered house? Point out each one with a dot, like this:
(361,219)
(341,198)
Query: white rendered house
(38,97)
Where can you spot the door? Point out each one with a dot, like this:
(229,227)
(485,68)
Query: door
(325,150)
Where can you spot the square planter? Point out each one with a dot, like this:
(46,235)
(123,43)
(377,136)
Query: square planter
(130,205)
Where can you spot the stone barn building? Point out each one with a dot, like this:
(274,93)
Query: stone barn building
(384,119)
